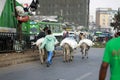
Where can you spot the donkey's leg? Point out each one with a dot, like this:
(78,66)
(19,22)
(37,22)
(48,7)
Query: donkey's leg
(44,57)
(68,54)
(88,50)
(68,48)
(87,54)
(64,54)
(71,54)
(83,53)
(41,56)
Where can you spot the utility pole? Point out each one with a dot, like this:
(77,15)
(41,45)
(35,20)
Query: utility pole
(19,25)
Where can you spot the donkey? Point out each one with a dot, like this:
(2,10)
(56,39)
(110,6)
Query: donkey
(67,53)
(42,55)
(68,44)
(84,49)
(42,52)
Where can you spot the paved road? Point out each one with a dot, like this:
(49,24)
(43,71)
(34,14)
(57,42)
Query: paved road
(87,69)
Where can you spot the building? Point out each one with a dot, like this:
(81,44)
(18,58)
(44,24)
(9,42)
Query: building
(104,16)
(72,11)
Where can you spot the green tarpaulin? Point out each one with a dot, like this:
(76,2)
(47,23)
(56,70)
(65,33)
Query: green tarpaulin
(7,17)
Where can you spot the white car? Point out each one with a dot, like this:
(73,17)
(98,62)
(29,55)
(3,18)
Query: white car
(71,34)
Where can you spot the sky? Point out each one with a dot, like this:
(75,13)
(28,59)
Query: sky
(114,4)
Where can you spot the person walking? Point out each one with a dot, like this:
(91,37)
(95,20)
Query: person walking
(42,33)
(49,44)
(65,33)
(111,58)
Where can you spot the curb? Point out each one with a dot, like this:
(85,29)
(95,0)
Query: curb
(8,59)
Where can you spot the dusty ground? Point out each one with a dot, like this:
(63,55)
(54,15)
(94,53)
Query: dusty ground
(11,58)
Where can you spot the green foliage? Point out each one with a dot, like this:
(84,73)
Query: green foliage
(99,45)
(84,29)
(116,23)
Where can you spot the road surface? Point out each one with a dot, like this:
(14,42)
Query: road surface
(79,69)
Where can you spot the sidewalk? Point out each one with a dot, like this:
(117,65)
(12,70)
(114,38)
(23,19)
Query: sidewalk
(7,59)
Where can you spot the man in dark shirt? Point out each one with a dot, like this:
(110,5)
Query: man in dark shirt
(42,33)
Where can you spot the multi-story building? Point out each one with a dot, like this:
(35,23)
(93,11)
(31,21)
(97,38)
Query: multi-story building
(104,16)
(72,11)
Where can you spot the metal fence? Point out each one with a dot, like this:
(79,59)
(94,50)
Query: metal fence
(9,42)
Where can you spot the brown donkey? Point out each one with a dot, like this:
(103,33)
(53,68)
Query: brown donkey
(67,53)
(84,49)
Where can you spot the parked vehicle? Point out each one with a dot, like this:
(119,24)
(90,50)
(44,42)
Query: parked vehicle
(104,36)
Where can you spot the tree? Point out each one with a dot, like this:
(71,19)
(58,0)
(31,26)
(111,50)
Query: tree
(116,23)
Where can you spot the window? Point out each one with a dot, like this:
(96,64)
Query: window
(38,12)
(78,5)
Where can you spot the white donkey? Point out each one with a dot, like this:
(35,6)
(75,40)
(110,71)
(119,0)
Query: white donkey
(68,44)
(42,52)
(85,45)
